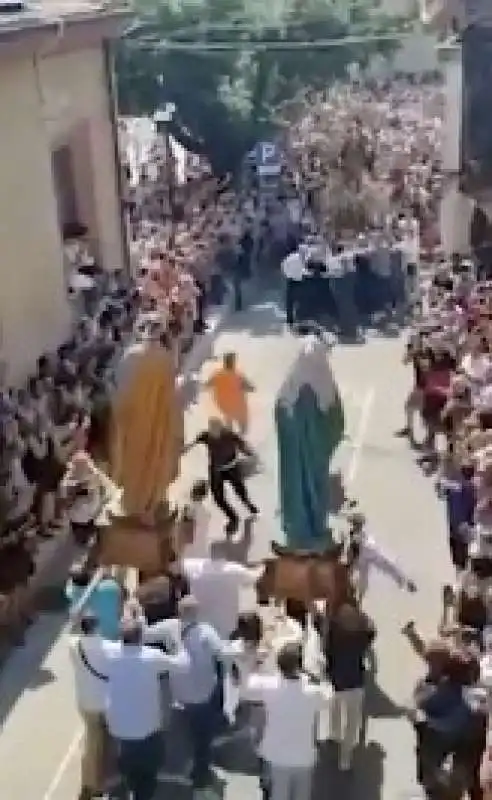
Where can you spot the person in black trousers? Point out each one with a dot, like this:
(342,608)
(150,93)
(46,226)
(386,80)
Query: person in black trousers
(200,324)
(225,449)
(242,268)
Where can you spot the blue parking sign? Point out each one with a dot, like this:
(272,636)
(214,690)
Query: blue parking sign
(268,158)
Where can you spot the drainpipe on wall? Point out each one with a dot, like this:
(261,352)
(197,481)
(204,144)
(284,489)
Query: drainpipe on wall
(113,116)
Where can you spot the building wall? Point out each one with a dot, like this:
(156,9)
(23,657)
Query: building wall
(47,103)
(452,71)
(74,92)
(33,309)
(456,208)
(417,54)
(399,7)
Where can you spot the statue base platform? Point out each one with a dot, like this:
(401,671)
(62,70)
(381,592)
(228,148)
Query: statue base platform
(304,576)
(129,541)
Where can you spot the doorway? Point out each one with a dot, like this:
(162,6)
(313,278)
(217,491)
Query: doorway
(64,182)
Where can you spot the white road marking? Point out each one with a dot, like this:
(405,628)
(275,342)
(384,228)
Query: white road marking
(76,742)
(72,751)
(360,437)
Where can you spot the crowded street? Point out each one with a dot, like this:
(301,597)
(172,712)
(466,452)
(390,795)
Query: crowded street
(246,467)
(37,708)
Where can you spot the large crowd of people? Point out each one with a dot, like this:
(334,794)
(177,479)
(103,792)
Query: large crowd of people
(180,267)
(395,140)
(357,200)
(449,353)
(191,616)
(371,178)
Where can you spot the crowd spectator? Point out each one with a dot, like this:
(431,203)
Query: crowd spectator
(62,409)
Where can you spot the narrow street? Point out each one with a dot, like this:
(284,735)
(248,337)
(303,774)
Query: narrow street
(403,515)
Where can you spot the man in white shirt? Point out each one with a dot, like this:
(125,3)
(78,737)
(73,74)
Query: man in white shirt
(90,693)
(196,688)
(292,707)
(293,271)
(133,673)
(85,487)
(366,555)
(216,584)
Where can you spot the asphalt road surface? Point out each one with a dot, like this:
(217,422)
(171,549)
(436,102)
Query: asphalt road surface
(40,739)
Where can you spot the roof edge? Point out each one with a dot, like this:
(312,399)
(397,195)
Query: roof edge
(20,26)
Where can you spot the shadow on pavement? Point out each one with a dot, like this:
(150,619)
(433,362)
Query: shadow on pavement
(336,492)
(235,754)
(23,669)
(363,782)
(235,549)
(191,392)
(377,703)
(264,317)
(43,677)
(177,791)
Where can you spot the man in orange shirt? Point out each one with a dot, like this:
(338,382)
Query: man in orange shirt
(230,393)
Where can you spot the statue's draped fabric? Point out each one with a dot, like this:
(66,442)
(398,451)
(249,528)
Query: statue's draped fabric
(147,429)
(309,424)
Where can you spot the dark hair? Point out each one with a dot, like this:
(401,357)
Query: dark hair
(88,624)
(289,660)
(164,340)
(199,490)
(485,419)
(80,576)
(249,627)
(131,631)
(42,364)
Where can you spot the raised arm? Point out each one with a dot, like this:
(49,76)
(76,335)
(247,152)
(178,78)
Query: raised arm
(200,439)
(387,565)
(243,446)
(226,651)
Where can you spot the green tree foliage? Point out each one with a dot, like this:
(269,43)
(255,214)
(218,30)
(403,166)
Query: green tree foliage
(226,99)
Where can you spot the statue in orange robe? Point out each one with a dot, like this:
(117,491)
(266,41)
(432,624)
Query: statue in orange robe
(147,427)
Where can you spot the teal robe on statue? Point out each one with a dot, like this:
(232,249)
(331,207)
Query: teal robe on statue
(309,425)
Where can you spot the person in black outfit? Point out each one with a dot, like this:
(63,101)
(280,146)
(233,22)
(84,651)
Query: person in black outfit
(199,325)
(242,269)
(224,465)
(415,355)
(346,642)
